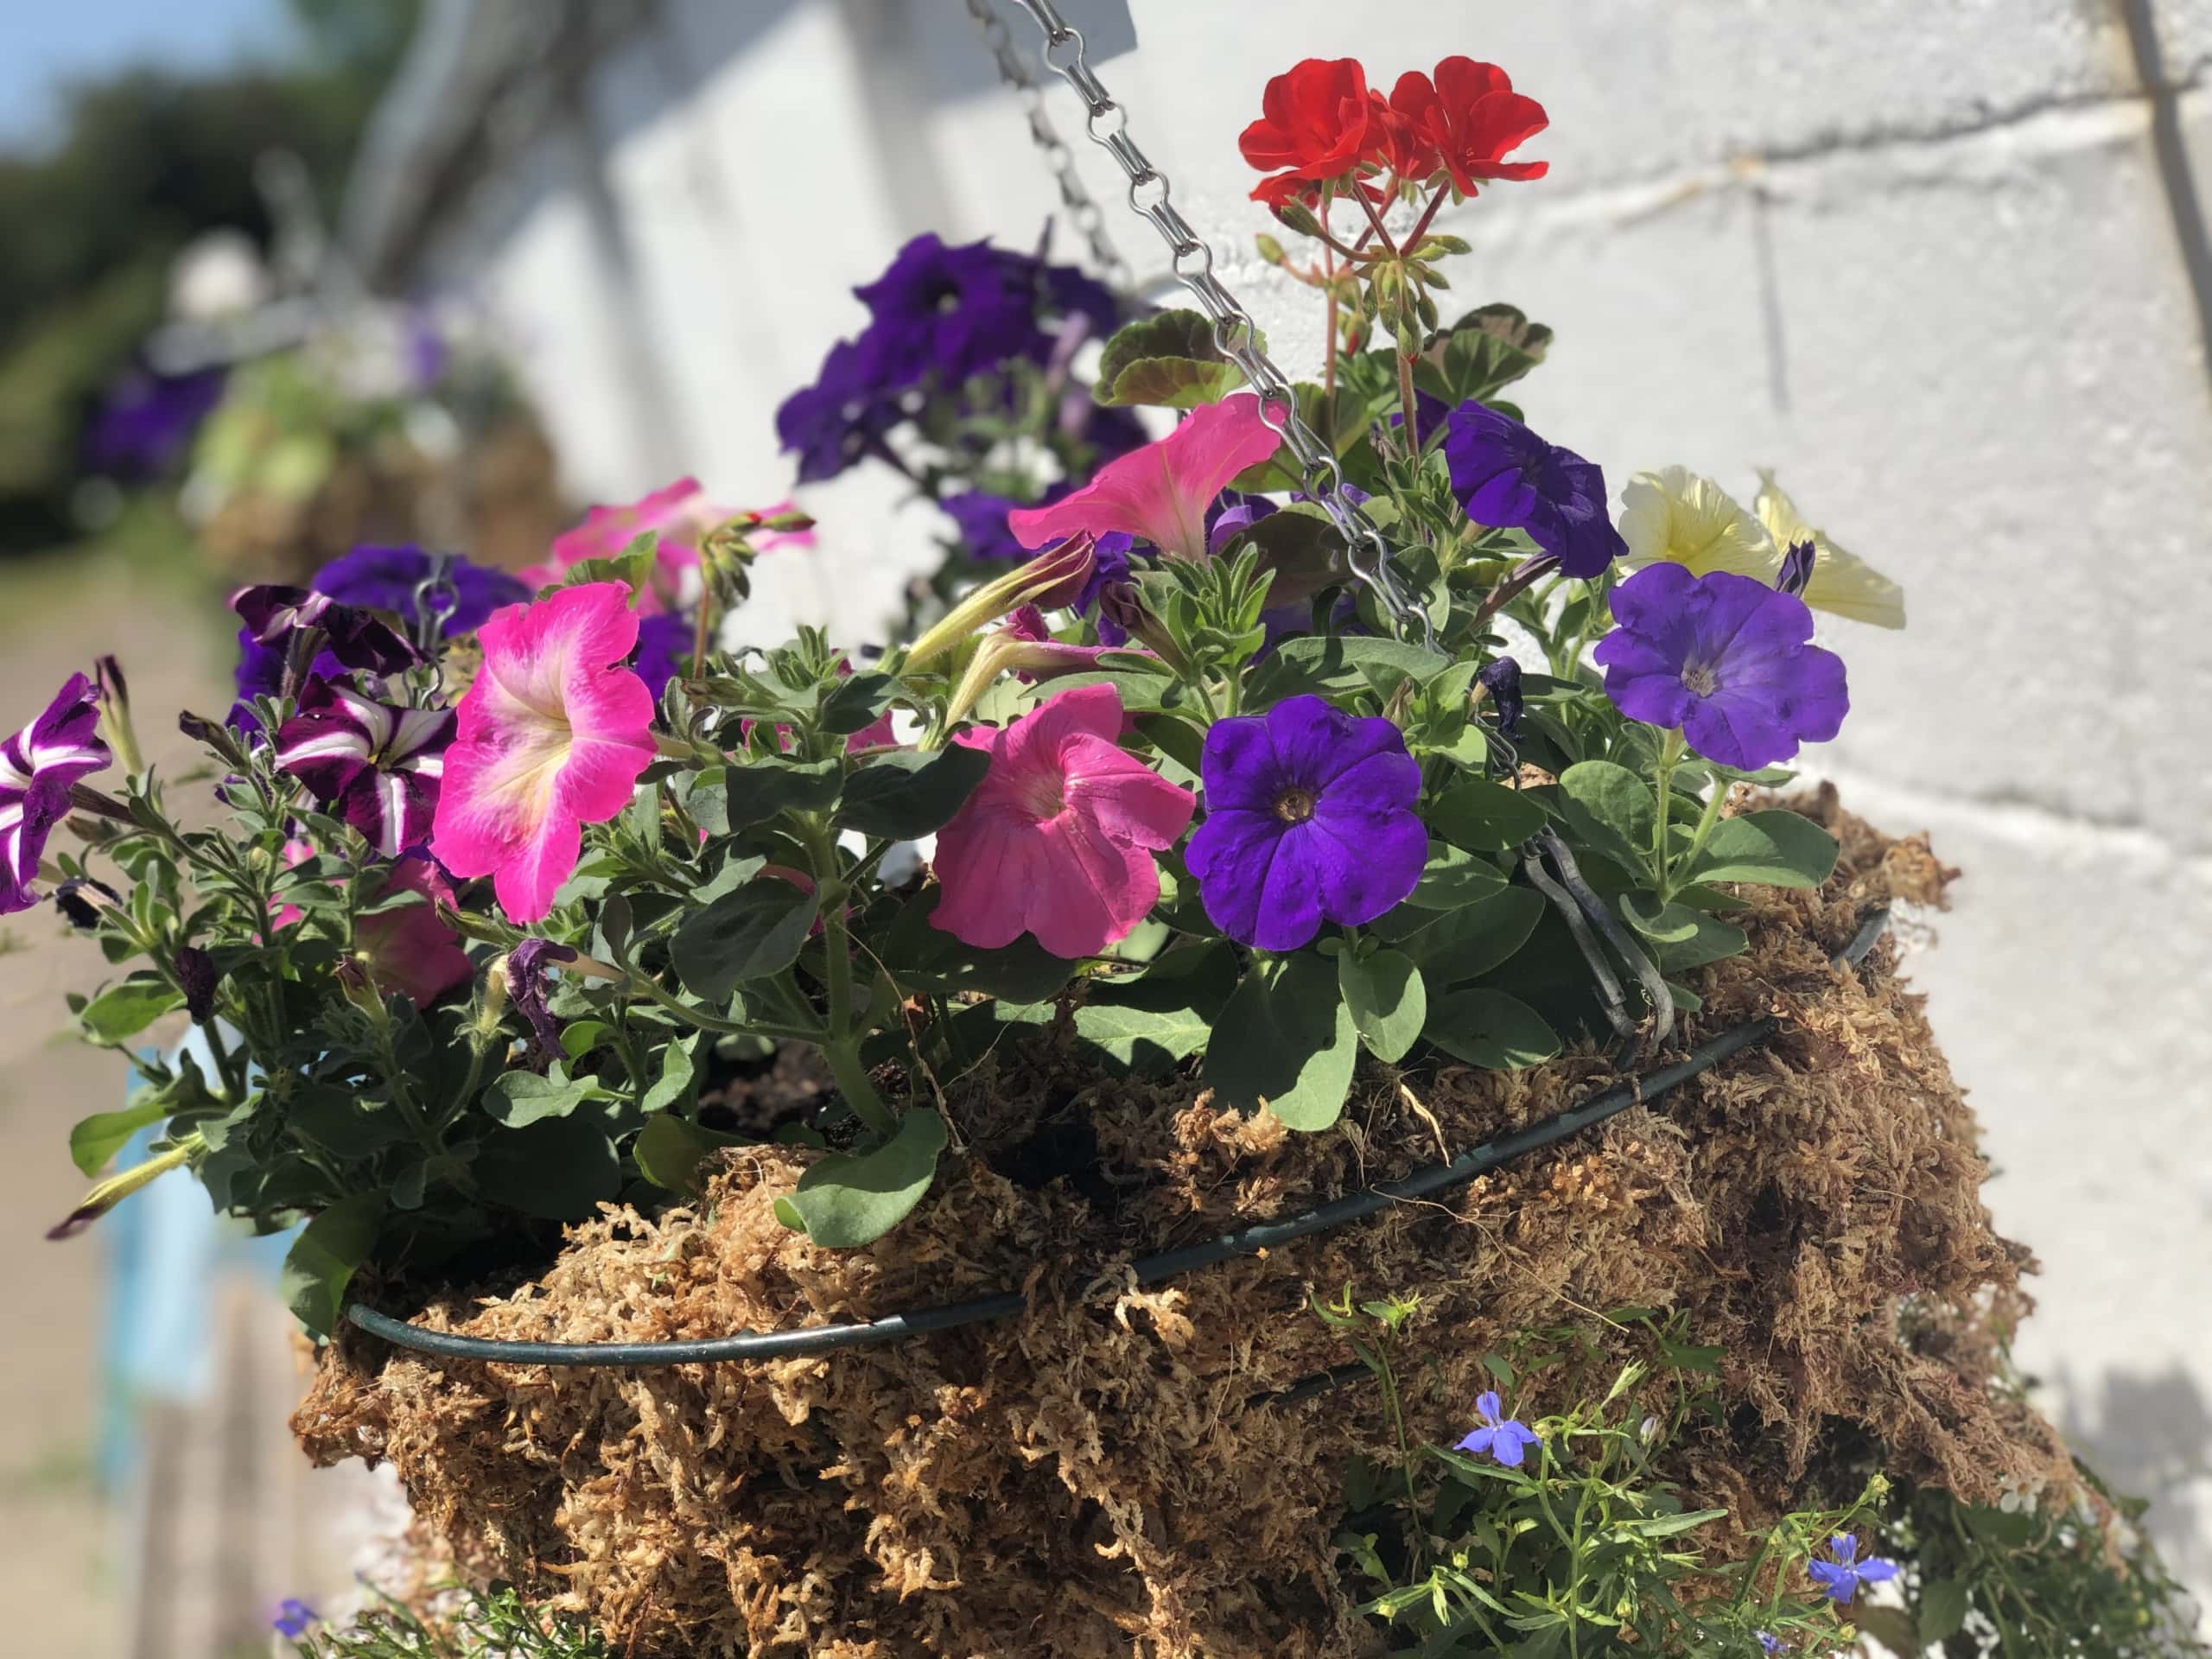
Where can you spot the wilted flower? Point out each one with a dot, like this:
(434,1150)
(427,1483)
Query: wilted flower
(1504,474)
(79,910)
(196,976)
(378,765)
(1161,493)
(1057,840)
(272,614)
(1503,1438)
(1502,679)
(1842,1577)
(1309,818)
(38,765)
(1726,660)
(551,736)
(526,985)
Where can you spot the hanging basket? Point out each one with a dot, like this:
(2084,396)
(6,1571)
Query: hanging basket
(1131,1461)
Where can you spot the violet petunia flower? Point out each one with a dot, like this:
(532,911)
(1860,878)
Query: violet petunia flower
(293,1619)
(979,517)
(38,765)
(386,578)
(147,420)
(272,614)
(833,422)
(1501,1438)
(1841,1578)
(1309,818)
(1505,475)
(526,970)
(1502,679)
(1726,659)
(665,640)
(377,765)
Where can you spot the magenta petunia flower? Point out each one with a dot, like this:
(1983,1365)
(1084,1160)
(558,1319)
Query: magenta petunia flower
(410,949)
(551,736)
(1725,657)
(356,639)
(37,766)
(679,516)
(1058,838)
(376,764)
(1161,493)
(1309,818)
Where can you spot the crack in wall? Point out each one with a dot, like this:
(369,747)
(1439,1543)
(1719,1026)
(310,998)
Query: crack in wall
(2017,816)
(2176,176)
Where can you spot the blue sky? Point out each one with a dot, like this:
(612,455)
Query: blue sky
(45,44)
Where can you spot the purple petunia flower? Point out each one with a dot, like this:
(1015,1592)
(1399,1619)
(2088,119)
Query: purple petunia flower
(147,420)
(979,517)
(526,985)
(293,1619)
(1725,657)
(272,614)
(1504,474)
(1841,1578)
(38,765)
(833,422)
(1502,679)
(1309,818)
(1503,1438)
(386,579)
(665,639)
(378,765)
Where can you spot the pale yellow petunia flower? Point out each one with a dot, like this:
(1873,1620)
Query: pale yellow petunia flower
(1679,515)
(1842,582)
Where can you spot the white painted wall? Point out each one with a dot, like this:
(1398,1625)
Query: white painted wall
(1920,257)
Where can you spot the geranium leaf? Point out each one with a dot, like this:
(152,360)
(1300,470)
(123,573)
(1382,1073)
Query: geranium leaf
(1491,1029)
(1287,1040)
(909,794)
(1388,1000)
(853,1199)
(1778,849)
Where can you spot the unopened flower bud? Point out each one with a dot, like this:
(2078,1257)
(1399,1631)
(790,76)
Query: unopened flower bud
(1796,572)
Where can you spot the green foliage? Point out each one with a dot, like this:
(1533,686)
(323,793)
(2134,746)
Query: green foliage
(500,1625)
(1169,359)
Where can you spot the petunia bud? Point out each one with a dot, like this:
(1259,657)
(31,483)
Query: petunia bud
(1797,573)
(1053,580)
(115,714)
(104,1196)
(1502,679)
(196,977)
(81,899)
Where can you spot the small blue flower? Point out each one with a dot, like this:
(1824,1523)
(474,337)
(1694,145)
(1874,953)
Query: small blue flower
(1504,1438)
(1841,1578)
(1770,1643)
(293,1619)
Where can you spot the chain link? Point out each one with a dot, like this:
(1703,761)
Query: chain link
(1083,211)
(1234,333)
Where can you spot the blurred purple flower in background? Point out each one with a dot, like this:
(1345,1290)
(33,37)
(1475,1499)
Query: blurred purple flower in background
(147,420)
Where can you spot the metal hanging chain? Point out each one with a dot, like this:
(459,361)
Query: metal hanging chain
(1083,211)
(1235,335)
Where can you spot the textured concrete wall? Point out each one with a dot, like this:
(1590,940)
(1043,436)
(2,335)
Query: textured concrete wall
(1942,265)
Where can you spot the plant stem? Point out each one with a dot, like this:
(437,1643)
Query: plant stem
(1670,754)
(840,1045)
(1710,817)
(1406,403)
(1413,240)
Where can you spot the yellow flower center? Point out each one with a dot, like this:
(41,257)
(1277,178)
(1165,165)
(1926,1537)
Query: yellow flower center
(1294,806)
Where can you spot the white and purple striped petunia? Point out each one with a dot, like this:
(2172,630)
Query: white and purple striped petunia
(37,766)
(378,765)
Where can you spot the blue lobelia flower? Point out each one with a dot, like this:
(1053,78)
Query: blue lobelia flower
(1725,657)
(1504,1439)
(293,1619)
(1309,818)
(1841,1578)
(1505,475)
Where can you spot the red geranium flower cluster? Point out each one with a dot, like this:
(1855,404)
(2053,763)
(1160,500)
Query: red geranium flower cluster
(1322,123)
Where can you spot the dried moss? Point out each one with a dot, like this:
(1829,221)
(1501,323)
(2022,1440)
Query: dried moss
(1100,1476)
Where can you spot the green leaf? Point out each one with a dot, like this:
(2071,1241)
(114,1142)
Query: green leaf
(1451,878)
(1486,817)
(1168,359)
(758,790)
(122,1011)
(1712,941)
(1320,664)
(521,1098)
(1174,737)
(1942,1610)
(749,934)
(670,1149)
(633,564)
(560,1169)
(1667,1526)
(1662,923)
(1779,850)
(921,957)
(1388,1000)
(326,1255)
(910,794)
(1465,943)
(1286,1039)
(1491,1029)
(1300,548)
(1612,810)
(96,1138)
(1484,352)
(857,701)
(853,1199)
(677,1070)
(1146,1025)
(342,1122)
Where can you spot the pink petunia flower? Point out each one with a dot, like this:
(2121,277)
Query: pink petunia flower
(1058,838)
(406,949)
(1161,493)
(551,736)
(680,516)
